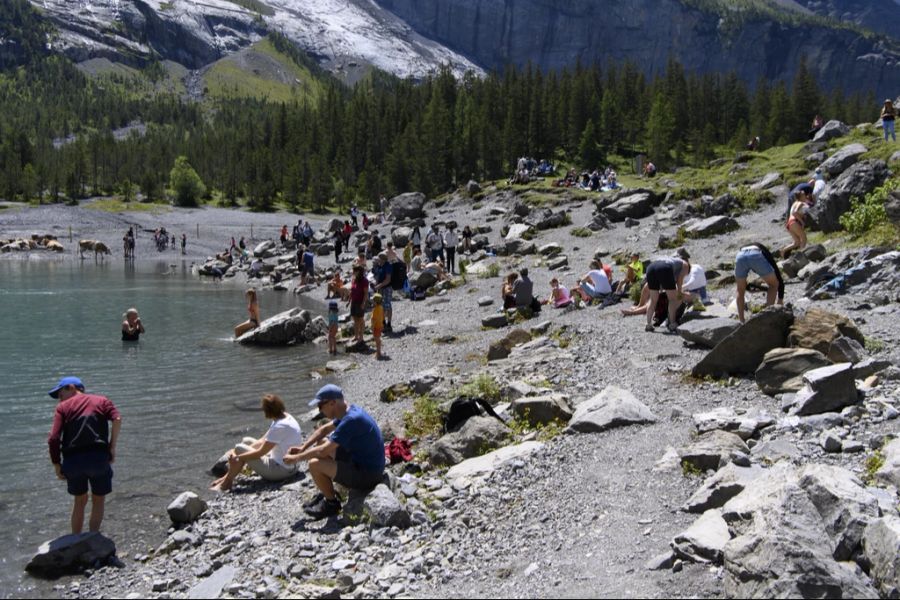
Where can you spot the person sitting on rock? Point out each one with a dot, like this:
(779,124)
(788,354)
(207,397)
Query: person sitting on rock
(417,263)
(559,295)
(349,450)
(265,456)
(506,291)
(757,258)
(695,285)
(336,288)
(594,284)
(796,224)
(253,310)
(634,273)
(523,290)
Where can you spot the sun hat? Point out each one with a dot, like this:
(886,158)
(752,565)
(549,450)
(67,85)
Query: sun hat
(66,381)
(327,392)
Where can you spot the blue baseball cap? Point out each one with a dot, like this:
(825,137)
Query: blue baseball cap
(327,392)
(66,381)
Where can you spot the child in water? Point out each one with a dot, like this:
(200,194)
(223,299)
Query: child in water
(332,327)
(377,324)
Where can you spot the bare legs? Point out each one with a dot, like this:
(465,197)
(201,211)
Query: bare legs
(98,504)
(798,236)
(771,293)
(323,472)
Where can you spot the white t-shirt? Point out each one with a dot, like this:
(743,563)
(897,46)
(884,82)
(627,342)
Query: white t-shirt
(284,433)
(695,280)
(601,283)
(451,239)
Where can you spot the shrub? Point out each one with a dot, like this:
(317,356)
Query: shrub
(425,418)
(483,386)
(493,270)
(868,213)
(581,232)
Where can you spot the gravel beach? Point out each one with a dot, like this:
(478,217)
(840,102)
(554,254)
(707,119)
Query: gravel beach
(581,517)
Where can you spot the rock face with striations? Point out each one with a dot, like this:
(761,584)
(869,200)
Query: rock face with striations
(855,182)
(744,350)
(551,33)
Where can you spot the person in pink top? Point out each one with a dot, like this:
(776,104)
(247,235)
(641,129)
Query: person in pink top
(82,449)
(559,294)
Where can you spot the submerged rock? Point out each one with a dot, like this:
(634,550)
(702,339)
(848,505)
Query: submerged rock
(71,553)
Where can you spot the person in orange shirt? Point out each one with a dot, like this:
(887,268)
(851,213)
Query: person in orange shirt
(377,324)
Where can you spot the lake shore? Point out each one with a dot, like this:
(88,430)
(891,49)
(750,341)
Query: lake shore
(583,514)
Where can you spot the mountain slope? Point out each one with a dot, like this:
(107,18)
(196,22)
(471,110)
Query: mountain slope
(197,33)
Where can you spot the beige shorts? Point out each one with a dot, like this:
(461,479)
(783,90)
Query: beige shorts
(265,467)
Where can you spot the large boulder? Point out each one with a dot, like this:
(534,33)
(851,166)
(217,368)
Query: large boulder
(831,130)
(635,206)
(843,159)
(704,541)
(889,473)
(407,206)
(264,249)
(855,182)
(423,279)
(744,349)
(482,467)
(613,407)
(818,329)
(827,389)
(711,226)
(518,230)
(718,489)
(503,348)
(541,410)
(186,508)
(401,236)
(283,329)
(707,332)
(745,423)
(384,510)
(788,533)
(881,543)
(475,437)
(71,553)
(712,450)
(782,369)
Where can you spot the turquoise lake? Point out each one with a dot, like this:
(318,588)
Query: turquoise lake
(186,391)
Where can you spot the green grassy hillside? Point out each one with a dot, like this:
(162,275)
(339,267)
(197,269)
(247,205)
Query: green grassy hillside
(263,72)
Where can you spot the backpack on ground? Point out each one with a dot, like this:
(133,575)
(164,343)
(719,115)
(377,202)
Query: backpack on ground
(417,293)
(464,409)
(398,275)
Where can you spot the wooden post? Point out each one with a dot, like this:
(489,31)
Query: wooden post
(251,231)
(198,231)
(70,234)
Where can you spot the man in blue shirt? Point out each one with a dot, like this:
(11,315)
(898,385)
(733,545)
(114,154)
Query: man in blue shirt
(348,450)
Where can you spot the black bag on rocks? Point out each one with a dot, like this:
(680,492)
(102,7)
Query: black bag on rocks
(398,275)
(465,408)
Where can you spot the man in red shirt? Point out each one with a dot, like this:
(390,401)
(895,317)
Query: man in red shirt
(82,449)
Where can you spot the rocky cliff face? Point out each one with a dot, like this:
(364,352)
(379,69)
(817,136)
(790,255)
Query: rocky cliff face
(882,16)
(554,33)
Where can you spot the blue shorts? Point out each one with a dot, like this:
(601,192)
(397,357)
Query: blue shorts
(751,259)
(86,469)
(588,289)
(387,295)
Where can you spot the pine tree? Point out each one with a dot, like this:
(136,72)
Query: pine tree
(588,150)
(660,130)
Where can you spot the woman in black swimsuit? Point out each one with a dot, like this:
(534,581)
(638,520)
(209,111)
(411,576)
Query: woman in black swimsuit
(132,328)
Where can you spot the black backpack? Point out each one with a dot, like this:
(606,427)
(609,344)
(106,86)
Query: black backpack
(465,408)
(398,275)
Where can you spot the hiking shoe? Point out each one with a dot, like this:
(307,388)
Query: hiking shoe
(388,328)
(649,328)
(315,500)
(324,508)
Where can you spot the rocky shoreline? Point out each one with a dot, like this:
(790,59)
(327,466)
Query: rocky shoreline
(680,484)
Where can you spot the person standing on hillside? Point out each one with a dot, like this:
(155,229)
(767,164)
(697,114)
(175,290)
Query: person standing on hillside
(451,241)
(888,116)
(184,243)
(82,449)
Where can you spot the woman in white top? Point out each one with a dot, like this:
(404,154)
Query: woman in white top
(451,240)
(265,456)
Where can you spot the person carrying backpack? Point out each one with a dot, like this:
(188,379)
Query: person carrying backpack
(383,271)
